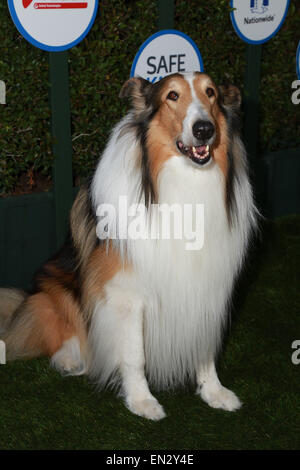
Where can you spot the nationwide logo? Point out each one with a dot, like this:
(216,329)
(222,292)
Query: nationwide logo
(54,5)
(259,6)
(257,21)
(260,19)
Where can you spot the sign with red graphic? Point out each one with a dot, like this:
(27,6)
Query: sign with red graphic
(48,5)
(26,3)
(53,25)
(60,5)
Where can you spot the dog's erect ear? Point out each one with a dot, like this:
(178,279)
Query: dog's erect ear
(139,90)
(230,95)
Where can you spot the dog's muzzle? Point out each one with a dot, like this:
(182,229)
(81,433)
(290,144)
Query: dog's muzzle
(203,132)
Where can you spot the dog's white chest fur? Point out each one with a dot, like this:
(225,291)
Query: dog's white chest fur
(186,291)
(184,294)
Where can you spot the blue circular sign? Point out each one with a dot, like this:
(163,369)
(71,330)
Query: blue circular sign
(53,25)
(257,21)
(166,52)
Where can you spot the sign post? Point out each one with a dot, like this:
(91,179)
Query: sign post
(165,14)
(251,98)
(255,22)
(61,142)
(56,26)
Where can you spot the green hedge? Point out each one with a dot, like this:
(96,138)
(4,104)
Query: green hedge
(101,63)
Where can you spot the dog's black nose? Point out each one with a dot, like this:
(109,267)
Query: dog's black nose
(203,130)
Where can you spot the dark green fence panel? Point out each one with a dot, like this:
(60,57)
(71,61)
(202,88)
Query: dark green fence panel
(279,183)
(27,237)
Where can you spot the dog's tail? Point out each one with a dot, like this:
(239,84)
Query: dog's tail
(10,300)
(16,324)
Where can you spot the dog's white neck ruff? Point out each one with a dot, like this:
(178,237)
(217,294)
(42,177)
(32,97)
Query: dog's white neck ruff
(185,293)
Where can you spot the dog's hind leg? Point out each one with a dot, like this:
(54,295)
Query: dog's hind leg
(68,359)
(212,391)
(117,343)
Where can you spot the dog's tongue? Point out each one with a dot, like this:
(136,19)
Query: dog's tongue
(201,151)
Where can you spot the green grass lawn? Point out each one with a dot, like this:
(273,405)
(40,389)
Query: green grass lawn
(41,410)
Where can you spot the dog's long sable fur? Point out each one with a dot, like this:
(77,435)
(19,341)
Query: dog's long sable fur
(130,311)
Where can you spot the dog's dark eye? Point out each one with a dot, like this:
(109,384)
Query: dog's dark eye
(210,92)
(173,96)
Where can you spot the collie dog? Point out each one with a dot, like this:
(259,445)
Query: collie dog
(139,312)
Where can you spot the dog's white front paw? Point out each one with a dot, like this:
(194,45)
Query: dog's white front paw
(219,397)
(148,408)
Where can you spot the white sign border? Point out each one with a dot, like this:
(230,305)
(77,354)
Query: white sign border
(42,46)
(161,33)
(261,41)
